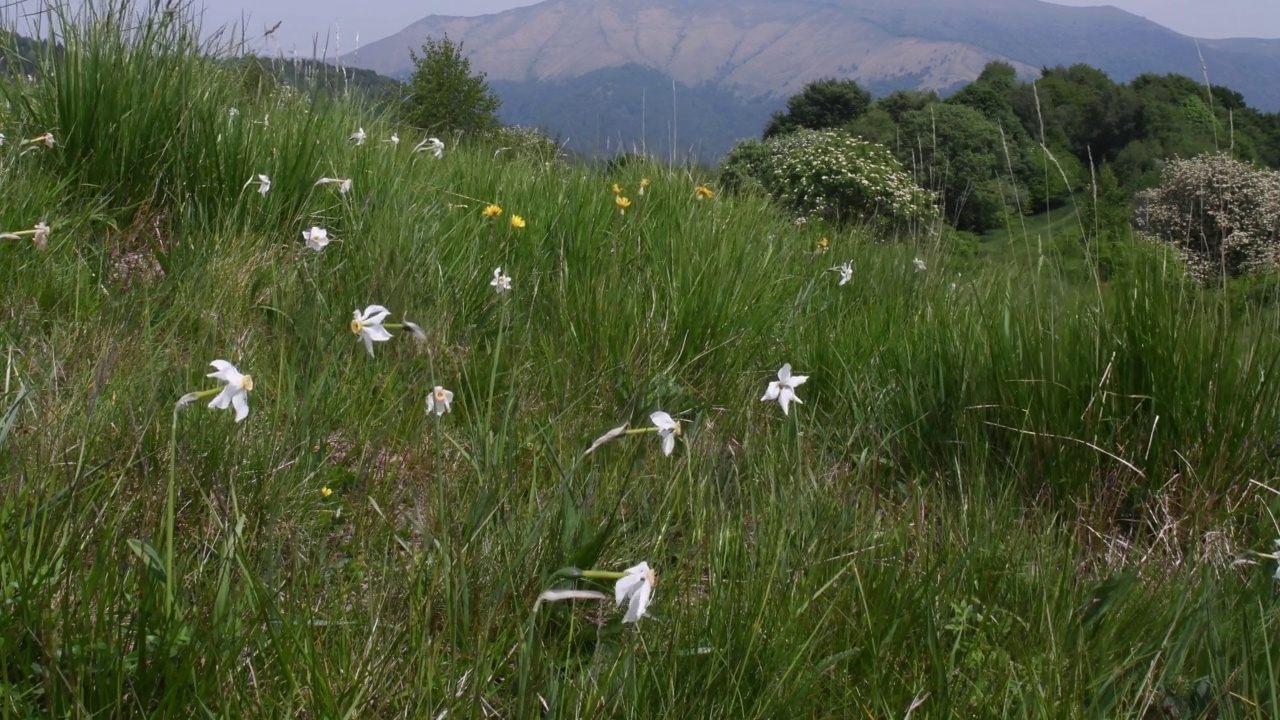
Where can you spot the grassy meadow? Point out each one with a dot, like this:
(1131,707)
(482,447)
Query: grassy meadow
(1006,492)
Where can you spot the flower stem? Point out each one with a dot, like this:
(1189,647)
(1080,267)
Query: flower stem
(170,510)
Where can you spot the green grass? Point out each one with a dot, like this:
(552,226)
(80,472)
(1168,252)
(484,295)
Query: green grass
(1009,498)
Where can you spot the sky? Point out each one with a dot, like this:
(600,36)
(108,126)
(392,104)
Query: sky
(345,24)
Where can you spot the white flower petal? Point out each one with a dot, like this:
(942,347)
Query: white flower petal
(663,420)
(368,342)
(241,403)
(784,374)
(668,442)
(798,380)
(377,333)
(772,392)
(639,603)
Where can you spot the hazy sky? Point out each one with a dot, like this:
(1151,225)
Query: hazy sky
(344,22)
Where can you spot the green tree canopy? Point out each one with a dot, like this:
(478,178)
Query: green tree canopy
(822,104)
(444,96)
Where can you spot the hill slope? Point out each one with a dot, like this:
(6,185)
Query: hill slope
(772,47)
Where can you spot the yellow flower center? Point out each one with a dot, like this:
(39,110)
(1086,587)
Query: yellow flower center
(651,577)
(246,383)
(440,395)
(357,327)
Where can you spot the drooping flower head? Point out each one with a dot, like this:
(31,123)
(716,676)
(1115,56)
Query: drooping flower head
(644,185)
(358,136)
(784,388)
(919,264)
(235,394)
(635,589)
(668,430)
(367,326)
(264,184)
(433,144)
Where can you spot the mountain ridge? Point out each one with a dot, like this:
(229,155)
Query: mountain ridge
(771,48)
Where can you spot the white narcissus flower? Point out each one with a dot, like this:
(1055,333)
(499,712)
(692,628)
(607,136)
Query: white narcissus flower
(500,282)
(784,388)
(316,237)
(2,140)
(439,401)
(232,113)
(919,264)
(367,326)
(394,139)
(41,236)
(434,144)
(635,589)
(235,393)
(846,272)
(358,136)
(668,430)
(264,184)
(344,185)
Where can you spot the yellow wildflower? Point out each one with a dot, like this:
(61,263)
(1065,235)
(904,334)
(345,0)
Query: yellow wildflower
(702,192)
(623,203)
(617,189)
(823,244)
(517,222)
(492,211)
(644,183)
(325,491)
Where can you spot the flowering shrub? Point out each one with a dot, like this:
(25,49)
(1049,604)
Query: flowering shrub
(839,177)
(1224,215)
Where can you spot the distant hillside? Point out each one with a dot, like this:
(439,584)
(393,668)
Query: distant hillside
(770,48)
(635,107)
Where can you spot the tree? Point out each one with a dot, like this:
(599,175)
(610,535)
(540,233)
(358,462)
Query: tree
(443,94)
(820,105)
(958,155)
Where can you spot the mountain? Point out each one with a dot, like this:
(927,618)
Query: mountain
(634,107)
(772,47)
(762,51)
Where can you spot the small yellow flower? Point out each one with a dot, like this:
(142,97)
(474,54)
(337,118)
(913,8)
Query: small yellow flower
(492,211)
(702,192)
(644,184)
(623,203)
(823,244)
(517,222)
(325,492)
(617,189)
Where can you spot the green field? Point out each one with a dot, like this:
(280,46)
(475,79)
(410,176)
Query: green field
(1005,491)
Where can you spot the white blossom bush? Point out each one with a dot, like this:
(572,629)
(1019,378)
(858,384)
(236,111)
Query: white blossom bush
(1222,214)
(842,178)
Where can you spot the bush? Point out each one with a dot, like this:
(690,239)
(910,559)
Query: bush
(743,168)
(1222,214)
(841,178)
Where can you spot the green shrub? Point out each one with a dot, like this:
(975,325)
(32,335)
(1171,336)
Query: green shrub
(841,178)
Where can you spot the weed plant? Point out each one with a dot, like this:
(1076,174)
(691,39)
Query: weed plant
(1000,496)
